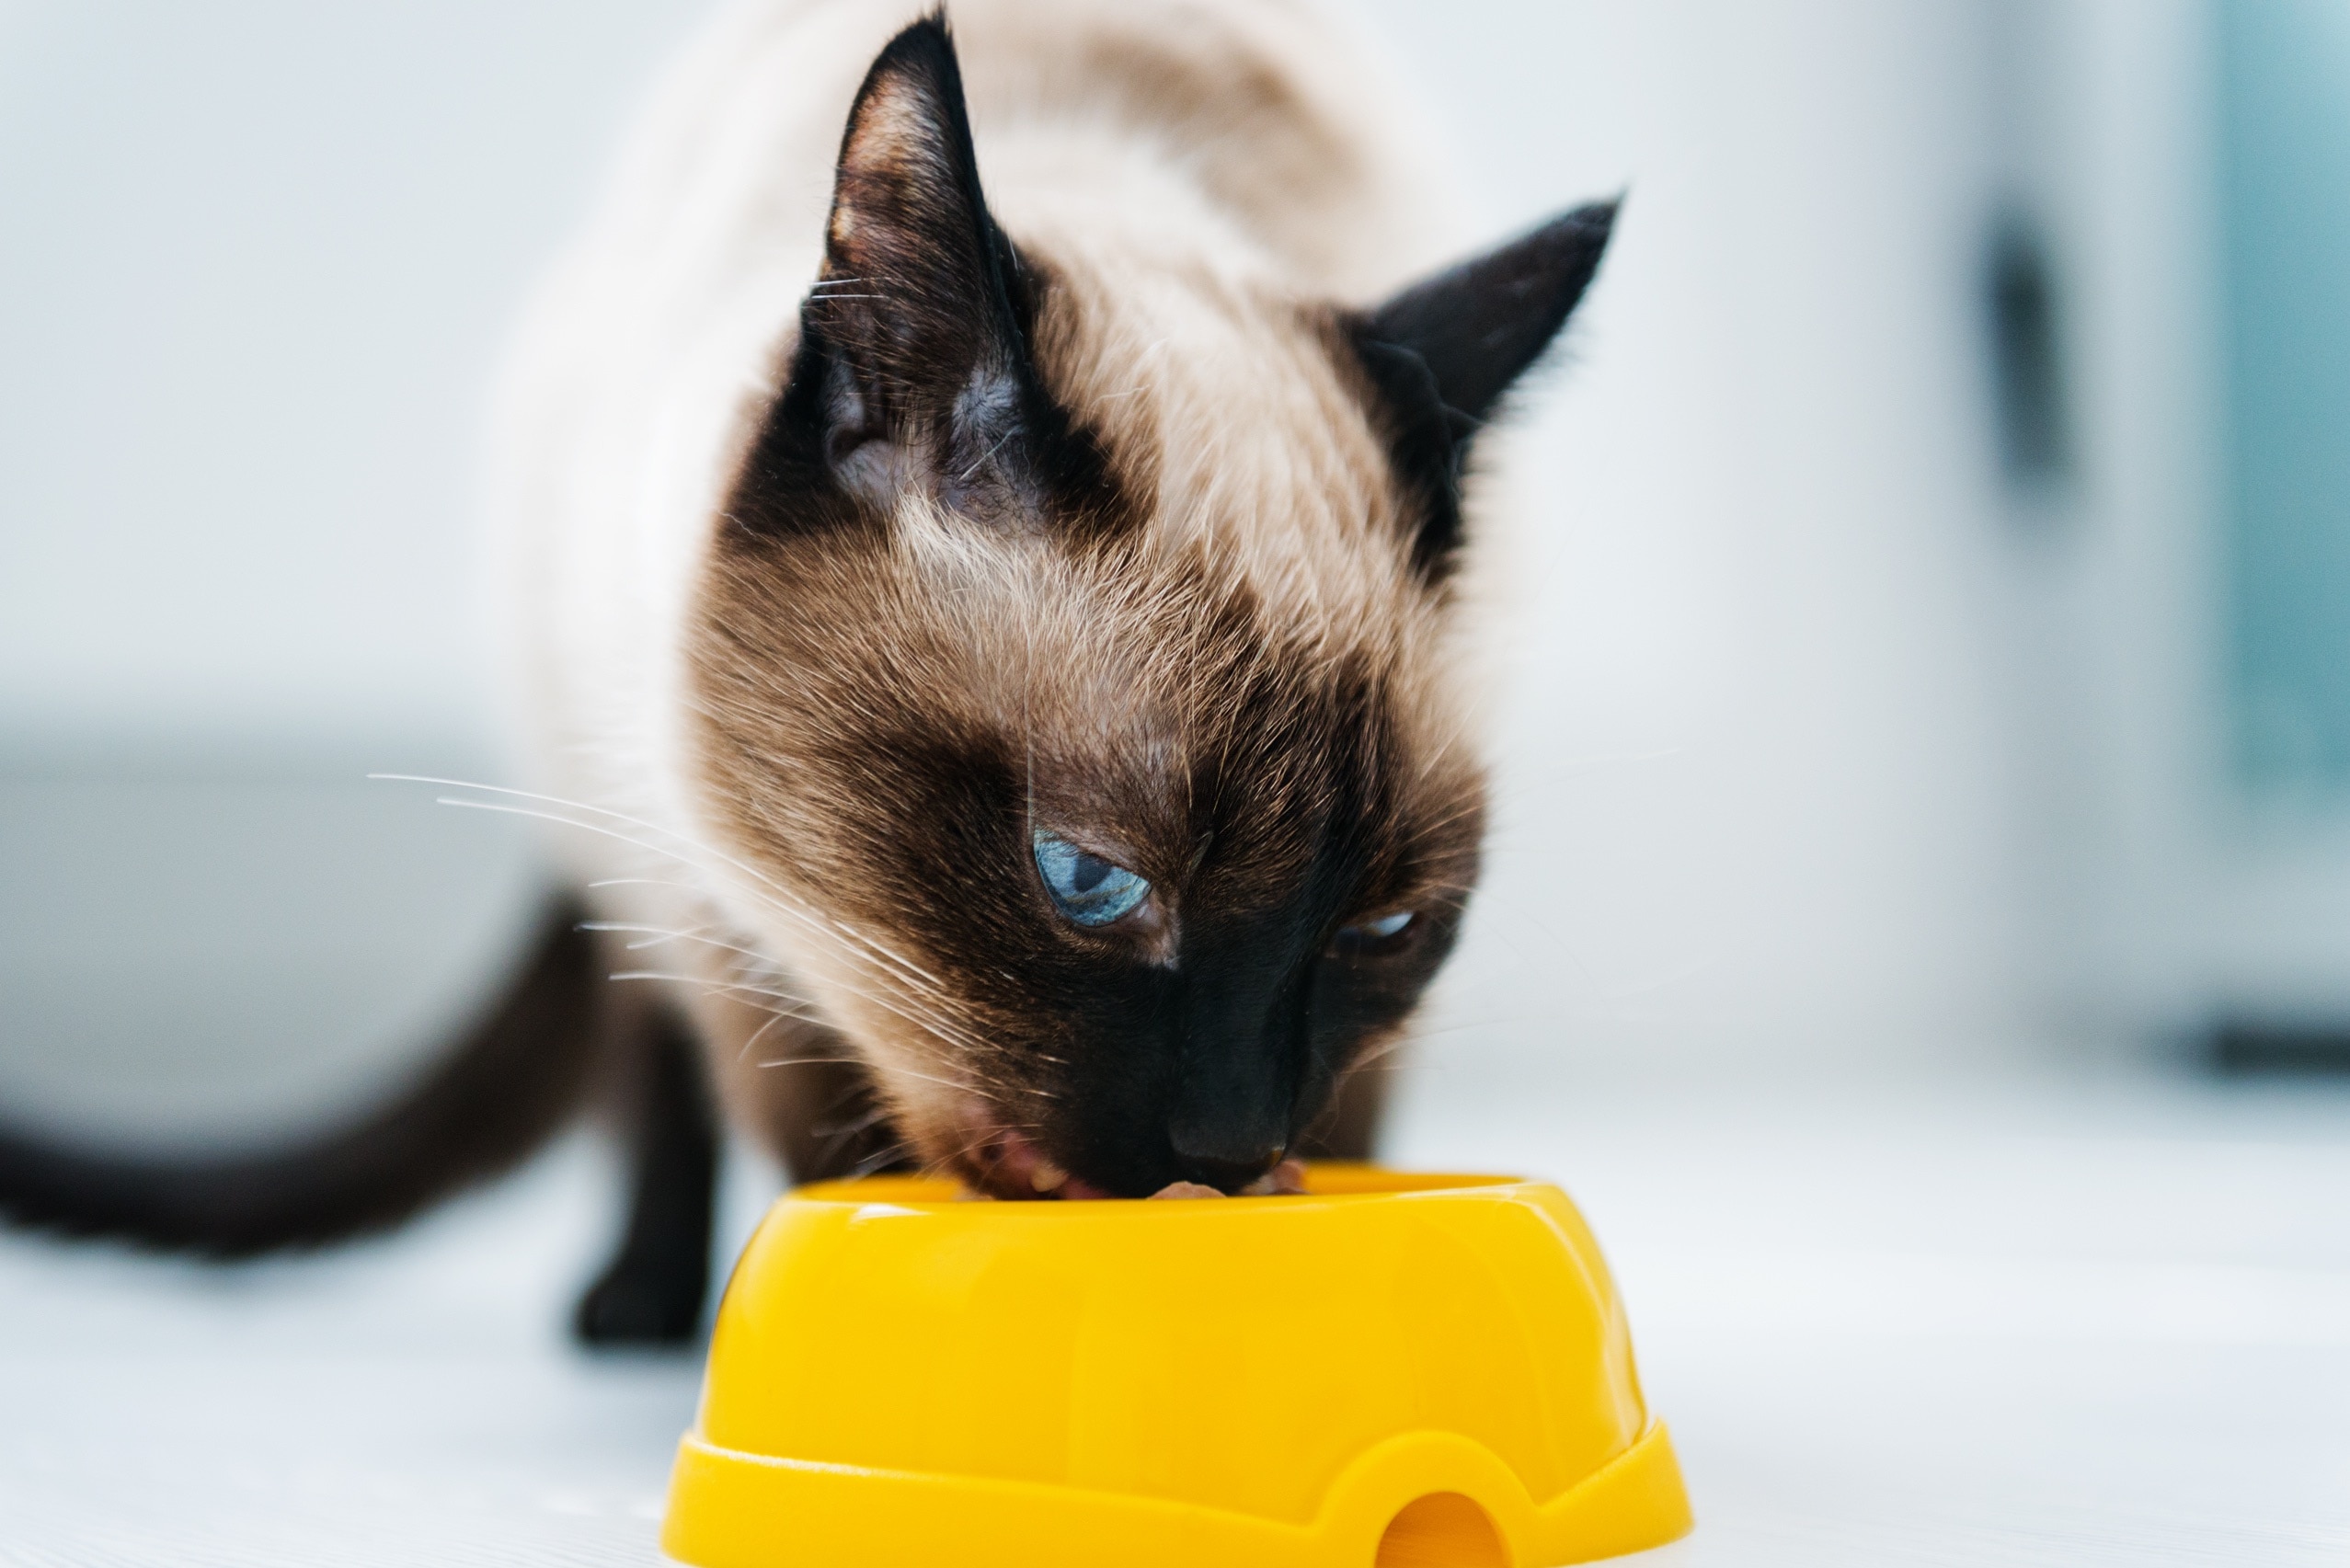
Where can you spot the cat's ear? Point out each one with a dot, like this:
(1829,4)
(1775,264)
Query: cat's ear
(1443,353)
(915,339)
(1478,326)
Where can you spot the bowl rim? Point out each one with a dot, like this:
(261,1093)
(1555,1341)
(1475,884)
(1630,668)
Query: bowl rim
(1328,1183)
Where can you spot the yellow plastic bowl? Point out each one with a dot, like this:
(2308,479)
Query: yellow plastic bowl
(1389,1369)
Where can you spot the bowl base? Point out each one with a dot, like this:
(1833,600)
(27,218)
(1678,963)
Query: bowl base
(1422,1500)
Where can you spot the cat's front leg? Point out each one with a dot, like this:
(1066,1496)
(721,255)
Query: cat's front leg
(653,1290)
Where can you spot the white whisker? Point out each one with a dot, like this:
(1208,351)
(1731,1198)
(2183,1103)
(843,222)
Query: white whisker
(775,896)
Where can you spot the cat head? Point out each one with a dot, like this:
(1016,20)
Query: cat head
(1074,662)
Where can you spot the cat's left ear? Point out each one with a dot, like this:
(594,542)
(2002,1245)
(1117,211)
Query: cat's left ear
(1442,354)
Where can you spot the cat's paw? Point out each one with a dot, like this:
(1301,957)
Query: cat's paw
(636,1306)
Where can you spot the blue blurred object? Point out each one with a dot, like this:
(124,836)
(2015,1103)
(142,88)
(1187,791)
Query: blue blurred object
(2285,159)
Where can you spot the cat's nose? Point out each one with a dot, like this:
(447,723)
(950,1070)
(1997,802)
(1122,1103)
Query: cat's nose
(1229,1162)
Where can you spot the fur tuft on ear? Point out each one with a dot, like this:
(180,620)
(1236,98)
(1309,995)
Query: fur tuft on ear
(1442,354)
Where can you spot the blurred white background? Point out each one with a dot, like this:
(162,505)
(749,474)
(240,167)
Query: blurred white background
(1830,742)
(257,259)
(259,262)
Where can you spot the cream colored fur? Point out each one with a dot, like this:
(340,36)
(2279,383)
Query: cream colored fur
(1195,150)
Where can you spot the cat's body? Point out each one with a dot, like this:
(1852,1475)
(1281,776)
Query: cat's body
(992,620)
(1168,142)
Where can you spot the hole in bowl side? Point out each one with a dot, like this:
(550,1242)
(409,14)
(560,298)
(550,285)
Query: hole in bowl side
(1443,1530)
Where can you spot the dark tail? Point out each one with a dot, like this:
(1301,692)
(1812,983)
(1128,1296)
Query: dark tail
(505,1088)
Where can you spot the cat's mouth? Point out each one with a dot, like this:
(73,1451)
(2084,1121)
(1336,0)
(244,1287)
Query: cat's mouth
(1007,1166)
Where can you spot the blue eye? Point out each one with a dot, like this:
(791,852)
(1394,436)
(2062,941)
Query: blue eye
(1380,928)
(1089,890)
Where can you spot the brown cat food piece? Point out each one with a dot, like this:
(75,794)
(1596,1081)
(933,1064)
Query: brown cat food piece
(1185,1189)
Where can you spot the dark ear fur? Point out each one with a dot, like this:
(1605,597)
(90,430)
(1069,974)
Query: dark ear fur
(914,364)
(1441,355)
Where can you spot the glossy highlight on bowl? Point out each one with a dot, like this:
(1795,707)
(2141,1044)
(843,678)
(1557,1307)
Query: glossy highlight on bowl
(1387,1371)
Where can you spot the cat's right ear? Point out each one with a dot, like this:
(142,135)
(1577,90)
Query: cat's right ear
(915,371)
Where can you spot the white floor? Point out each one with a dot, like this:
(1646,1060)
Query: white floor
(2055,1323)
(1990,1324)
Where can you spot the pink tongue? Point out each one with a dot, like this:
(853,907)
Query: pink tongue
(1287,1178)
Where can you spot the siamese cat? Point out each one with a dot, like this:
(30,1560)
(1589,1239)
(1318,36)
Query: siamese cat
(983,516)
